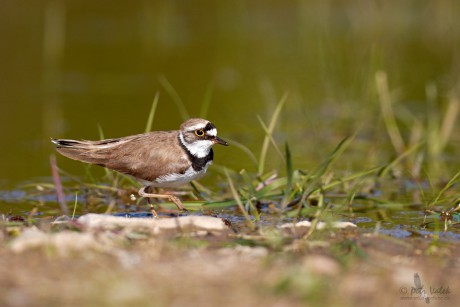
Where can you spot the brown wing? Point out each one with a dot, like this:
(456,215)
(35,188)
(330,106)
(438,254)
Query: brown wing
(146,156)
(150,157)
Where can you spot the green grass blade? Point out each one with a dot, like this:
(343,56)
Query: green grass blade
(314,180)
(238,201)
(248,182)
(351,177)
(245,150)
(100,131)
(449,120)
(219,204)
(317,216)
(149,125)
(270,137)
(75,205)
(384,170)
(207,101)
(289,171)
(271,127)
(289,194)
(174,96)
(276,184)
(388,113)
(444,189)
(338,150)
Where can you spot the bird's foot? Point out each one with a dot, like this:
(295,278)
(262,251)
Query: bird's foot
(172,198)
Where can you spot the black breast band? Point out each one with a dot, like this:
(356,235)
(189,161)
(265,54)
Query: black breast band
(197,163)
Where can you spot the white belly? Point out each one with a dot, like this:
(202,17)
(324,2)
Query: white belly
(176,180)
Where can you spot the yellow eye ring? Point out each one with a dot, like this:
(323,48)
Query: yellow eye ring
(199,132)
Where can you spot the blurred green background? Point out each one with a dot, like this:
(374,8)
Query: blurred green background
(68,66)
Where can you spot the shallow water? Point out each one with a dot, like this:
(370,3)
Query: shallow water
(404,223)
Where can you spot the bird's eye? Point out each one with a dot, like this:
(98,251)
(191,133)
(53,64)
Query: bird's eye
(199,132)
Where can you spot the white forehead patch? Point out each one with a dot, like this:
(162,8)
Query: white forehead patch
(212,132)
(196,127)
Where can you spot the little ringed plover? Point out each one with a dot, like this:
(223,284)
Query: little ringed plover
(159,159)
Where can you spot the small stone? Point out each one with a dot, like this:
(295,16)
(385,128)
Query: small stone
(179,224)
(319,225)
(63,242)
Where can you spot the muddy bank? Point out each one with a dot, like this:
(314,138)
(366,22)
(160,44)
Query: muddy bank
(75,264)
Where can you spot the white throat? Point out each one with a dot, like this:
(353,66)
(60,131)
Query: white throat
(199,149)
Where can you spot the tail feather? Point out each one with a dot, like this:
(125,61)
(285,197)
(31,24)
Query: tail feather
(67,143)
(84,151)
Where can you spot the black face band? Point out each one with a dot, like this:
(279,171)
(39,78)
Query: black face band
(209,126)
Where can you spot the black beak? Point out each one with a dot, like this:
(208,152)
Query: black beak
(220,141)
